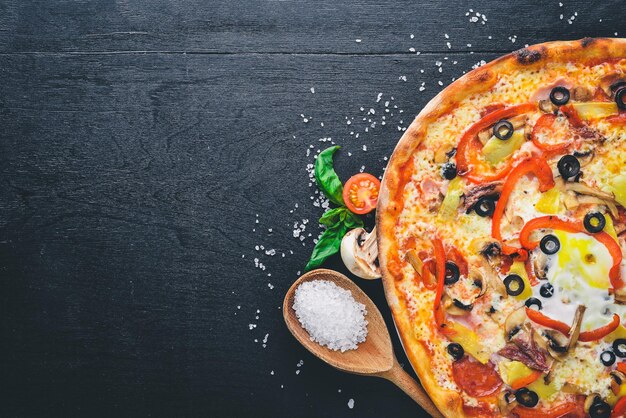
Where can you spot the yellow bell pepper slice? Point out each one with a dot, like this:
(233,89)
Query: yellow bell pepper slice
(550,202)
(496,150)
(540,388)
(518,268)
(452,200)
(470,341)
(618,187)
(595,110)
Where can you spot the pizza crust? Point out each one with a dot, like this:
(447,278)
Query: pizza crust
(480,80)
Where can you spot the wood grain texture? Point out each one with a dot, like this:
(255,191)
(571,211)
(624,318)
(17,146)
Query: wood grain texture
(132,174)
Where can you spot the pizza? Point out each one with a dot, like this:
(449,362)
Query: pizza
(501,230)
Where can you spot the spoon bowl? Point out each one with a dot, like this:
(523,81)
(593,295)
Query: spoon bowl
(373,357)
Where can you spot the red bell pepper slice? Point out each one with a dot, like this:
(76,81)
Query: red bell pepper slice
(621,367)
(468,162)
(534,165)
(546,321)
(556,412)
(572,116)
(553,222)
(440,270)
(564,329)
(601,332)
(619,410)
(544,123)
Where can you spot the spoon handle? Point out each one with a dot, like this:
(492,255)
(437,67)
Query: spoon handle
(404,381)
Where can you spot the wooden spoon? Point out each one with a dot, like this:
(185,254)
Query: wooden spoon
(373,357)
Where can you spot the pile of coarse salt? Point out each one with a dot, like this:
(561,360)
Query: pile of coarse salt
(330,315)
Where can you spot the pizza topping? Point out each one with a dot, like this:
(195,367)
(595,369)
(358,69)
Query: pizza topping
(456,351)
(440,269)
(596,407)
(452,273)
(485,207)
(530,302)
(619,347)
(568,166)
(506,402)
(448,171)
(619,410)
(526,397)
(550,244)
(503,130)
(452,200)
(595,110)
(514,284)
(360,194)
(546,290)
(471,342)
(542,170)
(594,222)
(545,127)
(607,358)
(555,412)
(474,378)
(524,349)
(576,226)
(497,150)
(620,97)
(467,158)
(559,96)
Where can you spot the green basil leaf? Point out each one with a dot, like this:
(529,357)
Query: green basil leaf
(333,216)
(327,245)
(352,220)
(326,178)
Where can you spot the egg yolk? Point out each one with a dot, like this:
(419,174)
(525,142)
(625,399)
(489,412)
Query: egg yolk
(585,258)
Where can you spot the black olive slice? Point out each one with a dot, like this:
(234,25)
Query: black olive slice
(485,207)
(559,96)
(600,409)
(461,305)
(594,222)
(550,244)
(546,290)
(456,351)
(530,302)
(448,171)
(526,397)
(620,97)
(452,273)
(514,284)
(503,130)
(568,166)
(607,358)
(619,347)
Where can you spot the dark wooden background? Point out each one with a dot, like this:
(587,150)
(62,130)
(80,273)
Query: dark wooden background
(140,143)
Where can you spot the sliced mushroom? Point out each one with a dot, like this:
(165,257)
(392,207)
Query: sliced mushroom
(580,94)
(514,322)
(455,307)
(609,81)
(575,329)
(619,295)
(581,189)
(359,252)
(506,402)
(590,400)
(546,106)
(540,265)
(557,343)
(617,378)
(443,153)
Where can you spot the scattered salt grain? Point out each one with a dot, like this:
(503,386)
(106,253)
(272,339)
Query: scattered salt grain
(330,315)
(351,403)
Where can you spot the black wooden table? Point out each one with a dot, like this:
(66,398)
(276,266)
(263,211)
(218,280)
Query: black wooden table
(153,170)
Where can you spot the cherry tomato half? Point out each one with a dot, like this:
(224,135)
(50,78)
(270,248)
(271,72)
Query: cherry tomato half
(360,193)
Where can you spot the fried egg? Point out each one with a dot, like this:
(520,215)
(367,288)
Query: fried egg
(579,272)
